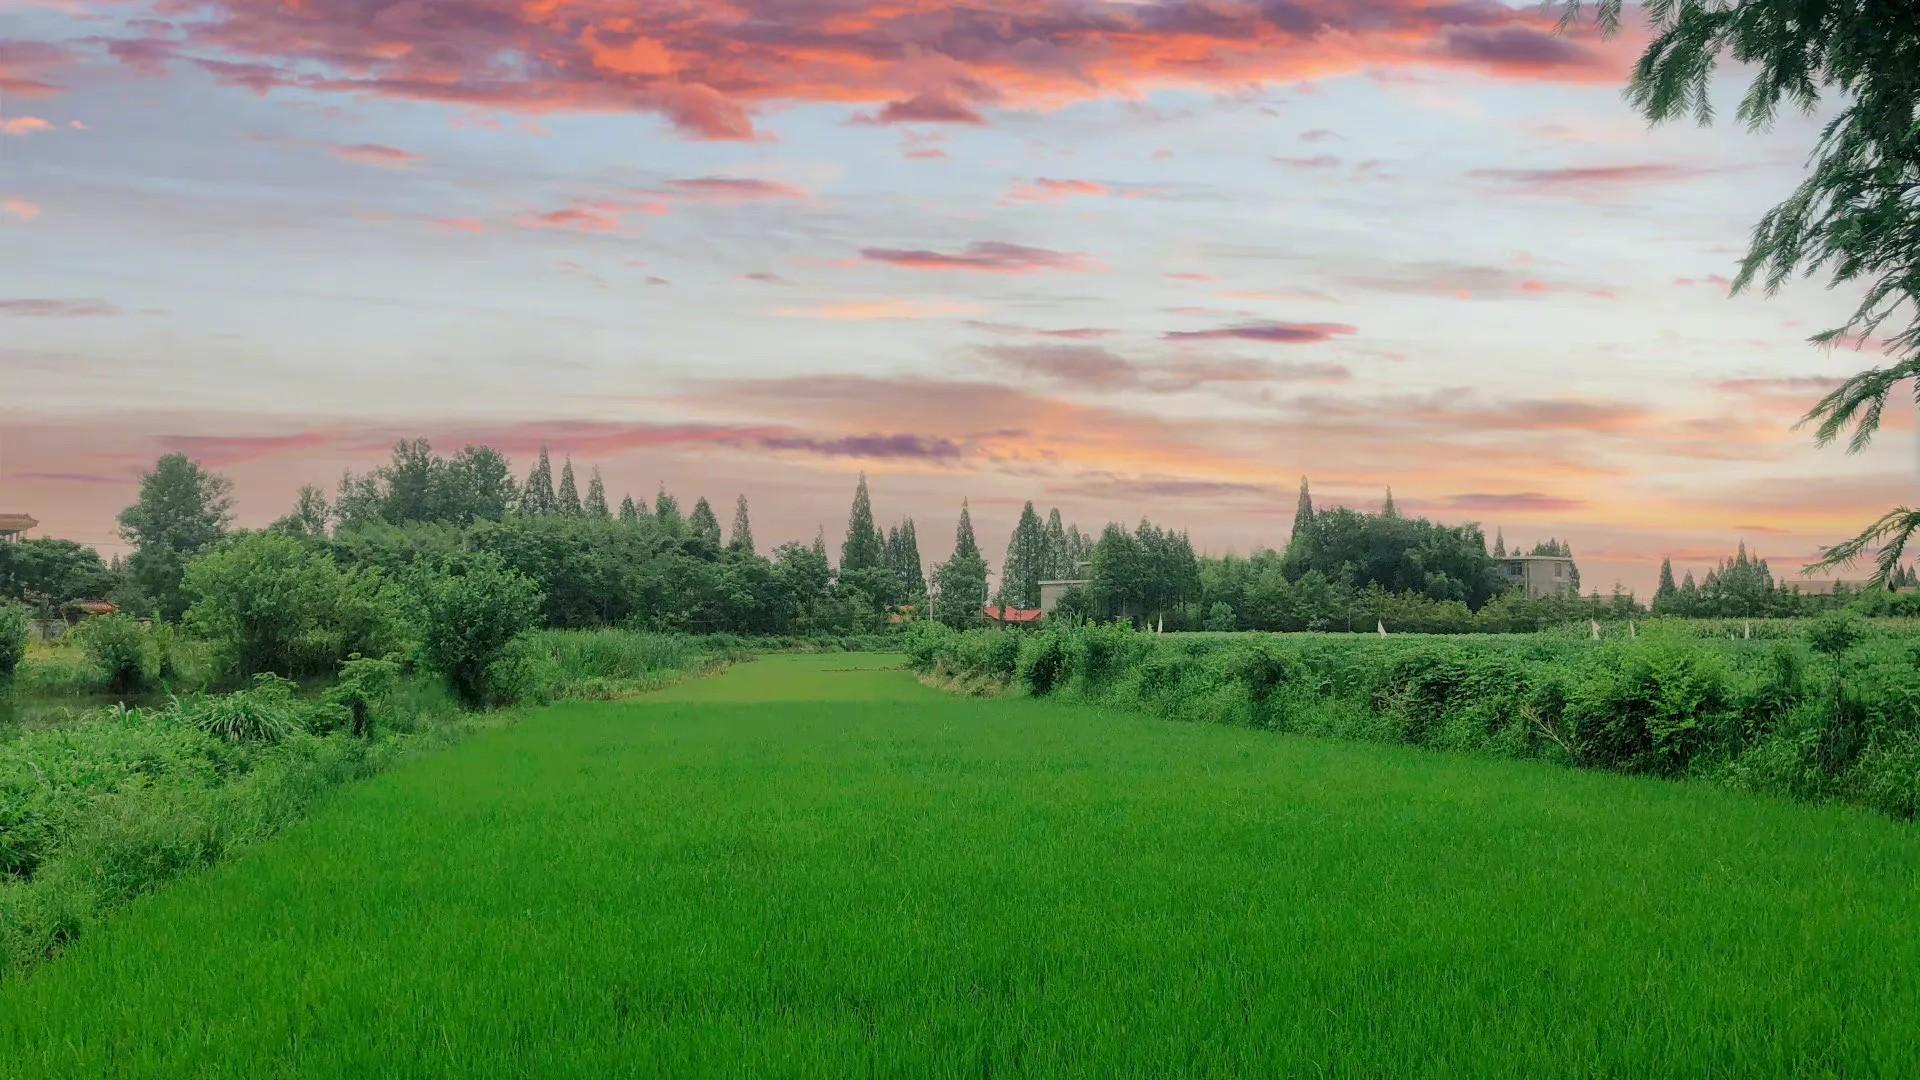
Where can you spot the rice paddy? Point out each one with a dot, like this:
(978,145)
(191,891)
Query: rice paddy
(815,866)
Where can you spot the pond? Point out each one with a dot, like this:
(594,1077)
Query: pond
(25,712)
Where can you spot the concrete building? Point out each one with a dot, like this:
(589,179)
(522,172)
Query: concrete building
(1052,591)
(15,526)
(1540,575)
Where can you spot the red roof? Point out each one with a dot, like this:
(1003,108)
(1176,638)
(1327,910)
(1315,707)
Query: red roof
(1012,614)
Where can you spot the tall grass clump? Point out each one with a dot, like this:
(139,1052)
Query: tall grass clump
(1833,714)
(545,665)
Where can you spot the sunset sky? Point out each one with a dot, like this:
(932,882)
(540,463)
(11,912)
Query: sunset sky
(1123,258)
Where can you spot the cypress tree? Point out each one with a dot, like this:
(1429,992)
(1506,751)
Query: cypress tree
(964,545)
(820,544)
(1020,574)
(537,497)
(741,539)
(1499,545)
(629,513)
(666,511)
(1386,508)
(703,524)
(963,578)
(596,504)
(1056,565)
(906,562)
(1666,591)
(566,500)
(863,549)
(1302,511)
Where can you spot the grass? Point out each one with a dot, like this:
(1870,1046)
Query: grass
(807,866)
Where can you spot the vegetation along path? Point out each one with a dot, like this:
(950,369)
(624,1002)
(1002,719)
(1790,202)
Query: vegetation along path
(813,866)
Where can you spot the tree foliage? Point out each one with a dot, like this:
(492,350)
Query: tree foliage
(1856,216)
(182,511)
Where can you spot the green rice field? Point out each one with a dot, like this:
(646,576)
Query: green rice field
(815,866)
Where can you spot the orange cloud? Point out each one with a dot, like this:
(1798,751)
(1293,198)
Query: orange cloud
(24,125)
(19,208)
(706,67)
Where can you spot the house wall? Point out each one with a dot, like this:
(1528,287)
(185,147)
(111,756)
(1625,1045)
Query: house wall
(1052,591)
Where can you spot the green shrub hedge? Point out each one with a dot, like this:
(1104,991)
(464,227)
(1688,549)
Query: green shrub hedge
(1766,715)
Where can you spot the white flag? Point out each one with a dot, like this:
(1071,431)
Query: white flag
(1596,628)
(1381,626)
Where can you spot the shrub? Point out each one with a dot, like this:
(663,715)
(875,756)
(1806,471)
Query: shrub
(469,611)
(13,638)
(1745,713)
(1042,663)
(365,689)
(269,602)
(122,649)
(265,712)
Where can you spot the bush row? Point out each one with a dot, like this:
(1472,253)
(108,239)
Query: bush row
(1832,715)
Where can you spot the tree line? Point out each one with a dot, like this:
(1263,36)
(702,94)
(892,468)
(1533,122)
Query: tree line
(648,564)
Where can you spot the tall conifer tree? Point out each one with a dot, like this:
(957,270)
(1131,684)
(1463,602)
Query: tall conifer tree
(703,523)
(596,501)
(566,500)
(1302,511)
(741,538)
(536,498)
(864,547)
(666,512)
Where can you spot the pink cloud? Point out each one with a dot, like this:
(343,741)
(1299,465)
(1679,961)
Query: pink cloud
(590,215)
(465,225)
(19,208)
(376,155)
(932,108)
(27,66)
(706,67)
(1711,279)
(217,450)
(986,256)
(1276,333)
(57,308)
(24,125)
(1582,180)
(1045,189)
(731,189)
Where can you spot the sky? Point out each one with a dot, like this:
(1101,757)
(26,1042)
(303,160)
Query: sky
(1124,258)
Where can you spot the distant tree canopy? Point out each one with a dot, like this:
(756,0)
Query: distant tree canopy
(47,574)
(1344,569)
(1144,574)
(1398,554)
(417,485)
